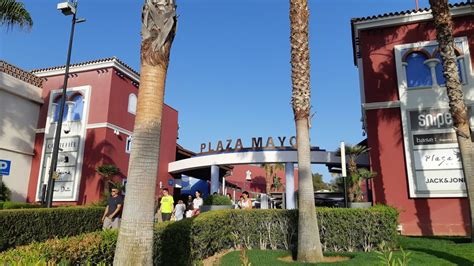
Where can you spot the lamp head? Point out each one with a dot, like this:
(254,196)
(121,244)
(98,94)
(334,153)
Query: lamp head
(67,8)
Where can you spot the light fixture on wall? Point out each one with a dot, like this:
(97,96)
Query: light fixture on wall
(116,132)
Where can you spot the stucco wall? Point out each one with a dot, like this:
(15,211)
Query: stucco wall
(19,107)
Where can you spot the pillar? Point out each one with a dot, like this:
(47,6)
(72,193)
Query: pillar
(290,186)
(70,109)
(214,179)
(431,63)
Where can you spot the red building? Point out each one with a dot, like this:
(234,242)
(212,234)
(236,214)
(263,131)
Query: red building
(252,178)
(99,119)
(406,117)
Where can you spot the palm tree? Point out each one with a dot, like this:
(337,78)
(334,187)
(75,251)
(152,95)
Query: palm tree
(354,152)
(309,243)
(444,35)
(135,240)
(270,171)
(14,13)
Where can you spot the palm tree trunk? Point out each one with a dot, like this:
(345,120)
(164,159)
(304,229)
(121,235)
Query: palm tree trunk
(444,35)
(135,240)
(309,243)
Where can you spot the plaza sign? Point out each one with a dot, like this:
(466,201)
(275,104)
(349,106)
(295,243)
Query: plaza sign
(255,144)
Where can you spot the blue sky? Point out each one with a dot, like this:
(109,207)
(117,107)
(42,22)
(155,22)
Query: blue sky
(229,73)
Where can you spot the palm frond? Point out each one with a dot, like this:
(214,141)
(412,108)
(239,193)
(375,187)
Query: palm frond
(13,13)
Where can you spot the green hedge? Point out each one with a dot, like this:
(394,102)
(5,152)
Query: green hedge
(217,200)
(20,227)
(190,240)
(10,205)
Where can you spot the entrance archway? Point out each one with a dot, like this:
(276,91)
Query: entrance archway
(288,157)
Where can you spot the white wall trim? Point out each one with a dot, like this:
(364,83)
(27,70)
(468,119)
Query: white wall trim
(98,125)
(434,98)
(17,151)
(111,126)
(93,66)
(87,89)
(381,105)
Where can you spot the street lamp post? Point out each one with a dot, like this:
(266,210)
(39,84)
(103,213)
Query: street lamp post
(67,8)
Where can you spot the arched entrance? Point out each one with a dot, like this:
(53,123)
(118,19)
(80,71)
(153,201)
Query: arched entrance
(288,156)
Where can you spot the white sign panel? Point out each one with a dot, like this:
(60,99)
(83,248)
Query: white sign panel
(437,159)
(443,181)
(437,165)
(66,144)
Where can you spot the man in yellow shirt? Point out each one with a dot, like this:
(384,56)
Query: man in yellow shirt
(167,205)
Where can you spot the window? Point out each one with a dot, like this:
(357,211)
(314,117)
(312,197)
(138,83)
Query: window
(78,107)
(418,74)
(132,103)
(423,65)
(58,101)
(128,144)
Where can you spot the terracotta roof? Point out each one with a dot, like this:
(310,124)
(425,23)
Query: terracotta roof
(406,12)
(103,60)
(20,74)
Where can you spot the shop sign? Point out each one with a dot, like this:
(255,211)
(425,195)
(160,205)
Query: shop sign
(437,165)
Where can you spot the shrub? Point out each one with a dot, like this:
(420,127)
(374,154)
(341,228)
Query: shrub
(217,200)
(191,240)
(93,248)
(9,205)
(19,227)
(5,193)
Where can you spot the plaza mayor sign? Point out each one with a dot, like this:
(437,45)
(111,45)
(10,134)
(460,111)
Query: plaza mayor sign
(255,144)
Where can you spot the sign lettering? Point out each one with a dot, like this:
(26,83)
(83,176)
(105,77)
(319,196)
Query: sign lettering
(256,143)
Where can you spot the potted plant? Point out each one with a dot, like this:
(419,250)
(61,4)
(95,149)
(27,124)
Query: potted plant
(356,176)
(355,193)
(216,202)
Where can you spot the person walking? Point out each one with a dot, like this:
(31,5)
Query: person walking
(189,207)
(179,210)
(246,202)
(113,211)
(197,203)
(167,205)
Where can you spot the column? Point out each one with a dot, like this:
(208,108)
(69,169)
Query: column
(214,179)
(462,70)
(290,186)
(431,63)
(70,109)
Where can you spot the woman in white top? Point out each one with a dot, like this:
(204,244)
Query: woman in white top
(197,203)
(246,202)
